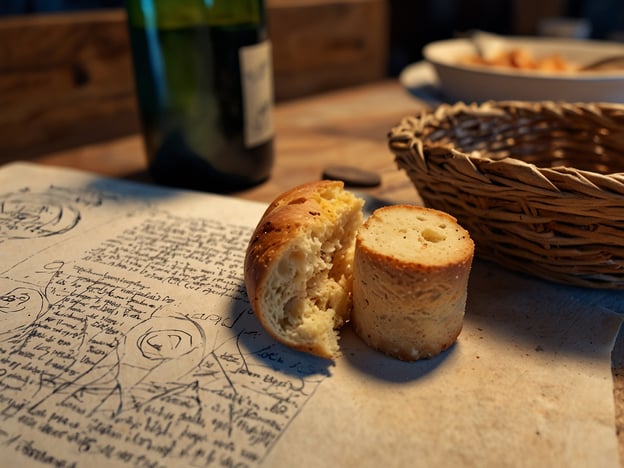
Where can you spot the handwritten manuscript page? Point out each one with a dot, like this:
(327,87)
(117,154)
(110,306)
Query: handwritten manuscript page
(126,339)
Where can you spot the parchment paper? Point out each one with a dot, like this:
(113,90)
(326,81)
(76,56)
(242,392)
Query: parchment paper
(126,339)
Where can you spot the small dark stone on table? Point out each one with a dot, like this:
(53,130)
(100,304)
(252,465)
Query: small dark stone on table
(352,176)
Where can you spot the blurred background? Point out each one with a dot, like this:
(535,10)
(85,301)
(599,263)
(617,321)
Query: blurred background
(65,71)
(414,23)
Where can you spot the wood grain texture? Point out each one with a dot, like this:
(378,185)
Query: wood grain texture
(65,80)
(320,45)
(342,126)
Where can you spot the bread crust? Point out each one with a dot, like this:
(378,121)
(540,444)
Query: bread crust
(293,216)
(411,308)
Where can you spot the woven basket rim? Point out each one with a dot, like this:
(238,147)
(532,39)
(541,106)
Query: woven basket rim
(482,156)
(488,108)
(560,223)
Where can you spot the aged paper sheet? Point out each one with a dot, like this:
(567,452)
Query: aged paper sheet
(126,340)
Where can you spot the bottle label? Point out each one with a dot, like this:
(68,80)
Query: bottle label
(257,84)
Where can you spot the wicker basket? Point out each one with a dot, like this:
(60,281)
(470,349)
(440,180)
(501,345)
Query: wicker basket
(540,186)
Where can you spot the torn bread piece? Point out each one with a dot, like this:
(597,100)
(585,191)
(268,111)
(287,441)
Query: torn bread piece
(298,266)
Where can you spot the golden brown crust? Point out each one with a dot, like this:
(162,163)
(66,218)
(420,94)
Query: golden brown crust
(284,219)
(290,217)
(412,307)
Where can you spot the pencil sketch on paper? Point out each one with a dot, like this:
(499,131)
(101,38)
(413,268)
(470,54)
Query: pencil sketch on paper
(148,362)
(23,302)
(27,215)
(142,350)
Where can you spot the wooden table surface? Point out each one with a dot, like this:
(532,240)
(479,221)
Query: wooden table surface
(346,127)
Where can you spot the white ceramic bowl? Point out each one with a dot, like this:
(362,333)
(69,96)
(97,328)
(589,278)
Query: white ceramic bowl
(480,83)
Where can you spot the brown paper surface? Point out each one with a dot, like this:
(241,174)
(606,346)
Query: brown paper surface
(126,339)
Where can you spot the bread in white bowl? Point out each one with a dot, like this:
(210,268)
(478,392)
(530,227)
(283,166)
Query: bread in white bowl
(411,270)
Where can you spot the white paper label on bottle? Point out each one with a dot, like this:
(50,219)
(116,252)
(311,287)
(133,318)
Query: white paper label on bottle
(257,84)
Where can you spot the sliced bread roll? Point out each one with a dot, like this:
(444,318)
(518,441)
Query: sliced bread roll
(298,266)
(411,270)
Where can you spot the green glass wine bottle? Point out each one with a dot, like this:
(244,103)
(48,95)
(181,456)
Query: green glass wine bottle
(204,82)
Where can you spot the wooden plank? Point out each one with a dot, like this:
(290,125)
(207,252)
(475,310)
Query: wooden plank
(528,13)
(320,45)
(66,79)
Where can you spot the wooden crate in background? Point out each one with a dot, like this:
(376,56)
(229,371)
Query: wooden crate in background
(66,79)
(320,45)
